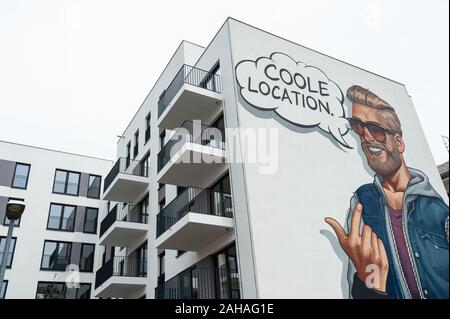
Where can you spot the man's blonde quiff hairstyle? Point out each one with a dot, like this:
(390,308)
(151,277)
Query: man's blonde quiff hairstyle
(360,95)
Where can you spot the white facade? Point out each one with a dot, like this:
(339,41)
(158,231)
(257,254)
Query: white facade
(25,271)
(284,248)
(247,219)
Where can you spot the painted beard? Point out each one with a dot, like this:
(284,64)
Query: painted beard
(383,161)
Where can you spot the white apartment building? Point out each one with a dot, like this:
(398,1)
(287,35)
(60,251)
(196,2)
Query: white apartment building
(223,179)
(225,228)
(58,232)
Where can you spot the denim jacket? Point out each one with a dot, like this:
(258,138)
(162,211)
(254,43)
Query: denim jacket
(425,220)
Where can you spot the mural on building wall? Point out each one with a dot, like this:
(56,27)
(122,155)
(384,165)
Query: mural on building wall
(401,250)
(396,238)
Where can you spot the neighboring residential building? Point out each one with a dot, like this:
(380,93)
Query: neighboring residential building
(59,226)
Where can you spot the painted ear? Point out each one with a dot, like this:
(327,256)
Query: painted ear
(400,143)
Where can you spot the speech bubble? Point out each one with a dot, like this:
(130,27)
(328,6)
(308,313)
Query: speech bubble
(299,93)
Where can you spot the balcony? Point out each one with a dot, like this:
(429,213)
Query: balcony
(201,283)
(192,94)
(194,219)
(124,225)
(194,155)
(121,277)
(126,180)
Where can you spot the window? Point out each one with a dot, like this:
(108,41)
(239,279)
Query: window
(228,276)
(145,164)
(61,217)
(59,290)
(3,291)
(6,219)
(211,81)
(56,255)
(87,257)
(147,127)
(142,260)
(136,144)
(143,209)
(12,247)
(90,220)
(105,251)
(21,173)
(94,186)
(162,137)
(66,182)
(162,204)
(127,160)
(180,189)
(162,264)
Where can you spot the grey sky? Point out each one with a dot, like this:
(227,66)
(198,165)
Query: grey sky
(73,73)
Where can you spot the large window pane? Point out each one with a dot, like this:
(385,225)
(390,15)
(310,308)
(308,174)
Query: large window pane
(90,220)
(61,217)
(56,255)
(50,290)
(21,175)
(94,186)
(68,220)
(87,257)
(59,185)
(72,183)
(49,254)
(66,182)
(54,218)
(3,290)
(10,253)
(59,290)
(84,292)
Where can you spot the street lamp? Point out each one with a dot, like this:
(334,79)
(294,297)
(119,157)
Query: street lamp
(14,210)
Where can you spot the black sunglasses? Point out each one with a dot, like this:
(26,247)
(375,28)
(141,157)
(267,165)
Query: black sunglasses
(378,132)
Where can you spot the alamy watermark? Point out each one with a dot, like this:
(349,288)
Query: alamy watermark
(259,146)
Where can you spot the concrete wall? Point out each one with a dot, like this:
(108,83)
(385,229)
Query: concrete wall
(295,254)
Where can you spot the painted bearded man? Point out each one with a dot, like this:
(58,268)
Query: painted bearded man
(404,230)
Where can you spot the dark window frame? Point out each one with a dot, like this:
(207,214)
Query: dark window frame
(99,187)
(96,220)
(162,204)
(14,176)
(162,263)
(5,284)
(142,257)
(81,256)
(128,157)
(148,119)
(66,182)
(63,206)
(162,138)
(145,164)
(58,242)
(63,284)
(13,243)
(136,144)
